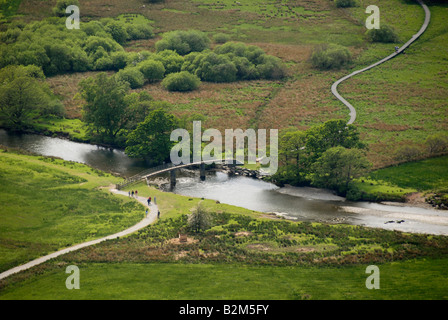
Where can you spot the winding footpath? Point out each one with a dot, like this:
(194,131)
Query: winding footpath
(400,50)
(152,216)
(147,220)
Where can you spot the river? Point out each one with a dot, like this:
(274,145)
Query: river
(305,204)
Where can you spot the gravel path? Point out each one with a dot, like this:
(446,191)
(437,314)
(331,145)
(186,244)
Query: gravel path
(152,216)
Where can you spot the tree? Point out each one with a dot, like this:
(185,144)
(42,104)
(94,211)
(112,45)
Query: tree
(24,95)
(151,139)
(61,5)
(337,167)
(346,3)
(437,143)
(152,70)
(181,81)
(385,34)
(331,134)
(199,219)
(105,110)
(131,75)
(330,56)
(183,42)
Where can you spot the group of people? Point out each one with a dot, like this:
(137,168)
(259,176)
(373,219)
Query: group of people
(135,194)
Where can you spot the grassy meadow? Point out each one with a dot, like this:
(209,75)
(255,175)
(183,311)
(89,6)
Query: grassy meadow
(49,204)
(399,103)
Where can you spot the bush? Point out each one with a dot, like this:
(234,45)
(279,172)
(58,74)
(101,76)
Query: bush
(384,34)
(407,153)
(181,81)
(132,75)
(171,60)
(152,70)
(437,143)
(330,56)
(345,3)
(118,31)
(216,68)
(221,38)
(61,5)
(183,42)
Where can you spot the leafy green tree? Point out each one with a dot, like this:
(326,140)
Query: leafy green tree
(131,75)
(330,56)
(61,5)
(23,96)
(337,167)
(171,60)
(385,34)
(181,81)
(199,220)
(152,70)
(118,31)
(105,111)
(183,42)
(437,143)
(151,139)
(331,134)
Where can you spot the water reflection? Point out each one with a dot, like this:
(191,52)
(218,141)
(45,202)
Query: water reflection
(106,159)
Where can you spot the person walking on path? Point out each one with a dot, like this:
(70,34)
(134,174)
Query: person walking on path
(154,200)
(136,193)
(158,214)
(149,201)
(129,194)
(132,193)
(146,213)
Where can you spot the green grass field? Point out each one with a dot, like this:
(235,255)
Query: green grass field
(49,204)
(395,182)
(410,280)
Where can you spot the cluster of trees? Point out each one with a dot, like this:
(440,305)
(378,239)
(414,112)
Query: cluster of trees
(184,59)
(327,156)
(134,120)
(234,61)
(24,96)
(50,45)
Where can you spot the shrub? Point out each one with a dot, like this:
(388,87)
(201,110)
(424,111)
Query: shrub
(216,68)
(330,56)
(384,34)
(171,60)
(118,31)
(221,38)
(152,70)
(437,143)
(407,153)
(61,5)
(345,3)
(131,75)
(183,42)
(271,68)
(136,32)
(181,81)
